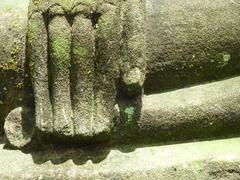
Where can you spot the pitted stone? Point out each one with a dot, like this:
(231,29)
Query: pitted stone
(18,128)
(78,63)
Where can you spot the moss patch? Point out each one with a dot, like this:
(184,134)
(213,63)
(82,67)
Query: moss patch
(60,48)
(129,111)
(11,63)
(80,52)
(226,58)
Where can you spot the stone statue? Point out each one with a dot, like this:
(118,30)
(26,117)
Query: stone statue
(83,57)
(81,51)
(86,56)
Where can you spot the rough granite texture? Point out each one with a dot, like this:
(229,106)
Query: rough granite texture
(13,26)
(207,160)
(18,127)
(191,42)
(75,48)
(188,42)
(202,111)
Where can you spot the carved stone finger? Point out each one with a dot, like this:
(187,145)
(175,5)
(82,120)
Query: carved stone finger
(134,61)
(107,43)
(60,49)
(82,75)
(37,53)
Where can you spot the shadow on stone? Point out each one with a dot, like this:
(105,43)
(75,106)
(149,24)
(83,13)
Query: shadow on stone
(78,155)
(2,140)
(96,154)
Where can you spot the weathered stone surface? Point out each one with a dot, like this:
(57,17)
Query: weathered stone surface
(217,159)
(13,23)
(83,74)
(133,54)
(18,127)
(76,51)
(60,57)
(204,111)
(207,110)
(188,42)
(191,41)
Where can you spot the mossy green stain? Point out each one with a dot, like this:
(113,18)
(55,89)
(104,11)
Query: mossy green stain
(20,85)
(32,32)
(60,52)
(31,40)
(9,65)
(226,58)
(129,111)
(14,52)
(79,51)
(67,5)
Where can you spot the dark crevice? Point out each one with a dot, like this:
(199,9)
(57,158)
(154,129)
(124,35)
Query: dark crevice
(70,19)
(94,79)
(49,65)
(95,17)
(71,75)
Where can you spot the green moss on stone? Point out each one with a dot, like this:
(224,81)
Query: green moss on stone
(20,85)
(32,31)
(80,52)
(226,58)
(60,52)
(129,111)
(11,63)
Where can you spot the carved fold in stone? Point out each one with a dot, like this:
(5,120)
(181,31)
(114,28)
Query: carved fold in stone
(77,52)
(106,68)
(60,49)
(38,54)
(82,75)
(82,69)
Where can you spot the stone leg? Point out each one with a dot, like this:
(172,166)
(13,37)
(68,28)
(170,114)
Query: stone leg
(60,50)
(106,68)
(38,55)
(83,54)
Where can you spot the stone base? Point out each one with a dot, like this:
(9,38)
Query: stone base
(219,159)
